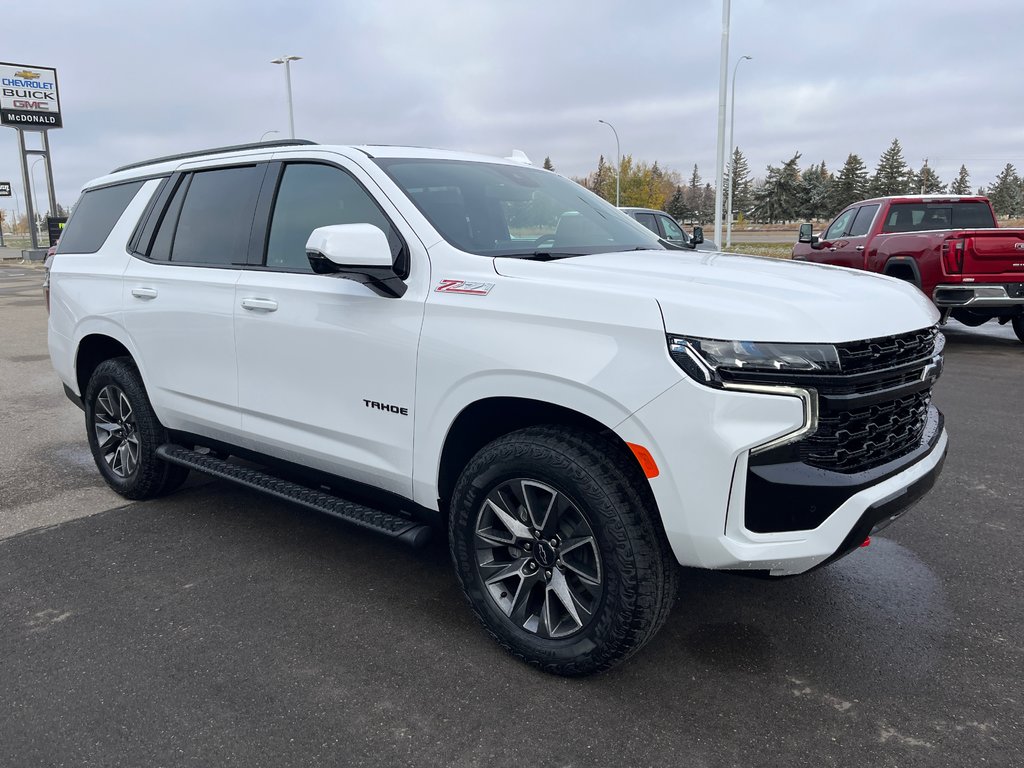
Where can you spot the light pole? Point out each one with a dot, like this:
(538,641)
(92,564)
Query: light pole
(618,160)
(723,86)
(287,60)
(35,189)
(267,133)
(732,152)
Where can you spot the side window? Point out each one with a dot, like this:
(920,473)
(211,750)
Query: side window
(94,217)
(311,196)
(672,231)
(840,225)
(160,250)
(216,216)
(647,219)
(862,223)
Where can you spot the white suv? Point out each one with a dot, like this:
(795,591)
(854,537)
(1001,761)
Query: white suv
(411,339)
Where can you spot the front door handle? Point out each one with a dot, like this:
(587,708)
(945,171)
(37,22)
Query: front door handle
(833,249)
(144,293)
(860,247)
(259,305)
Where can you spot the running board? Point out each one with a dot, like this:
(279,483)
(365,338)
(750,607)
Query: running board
(387,523)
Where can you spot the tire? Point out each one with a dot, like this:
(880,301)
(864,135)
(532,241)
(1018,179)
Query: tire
(601,547)
(1018,327)
(118,409)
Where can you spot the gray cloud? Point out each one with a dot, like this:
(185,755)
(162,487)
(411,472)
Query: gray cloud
(145,79)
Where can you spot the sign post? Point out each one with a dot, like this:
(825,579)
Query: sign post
(30,101)
(5,191)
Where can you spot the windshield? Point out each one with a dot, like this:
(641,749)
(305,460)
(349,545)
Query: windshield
(503,210)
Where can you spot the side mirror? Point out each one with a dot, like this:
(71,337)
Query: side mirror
(358,252)
(806,234)
(698,235)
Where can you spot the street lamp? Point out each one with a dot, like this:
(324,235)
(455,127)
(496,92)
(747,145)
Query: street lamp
(732,152)
(267,133)
(618,160)
(286,60)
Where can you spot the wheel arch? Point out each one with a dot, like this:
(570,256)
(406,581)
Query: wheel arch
(903,268)
(92,350)
(484,420)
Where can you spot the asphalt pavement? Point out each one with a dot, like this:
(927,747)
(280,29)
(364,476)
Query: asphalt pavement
(216,627)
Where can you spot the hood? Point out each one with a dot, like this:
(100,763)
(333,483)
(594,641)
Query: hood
(727,296)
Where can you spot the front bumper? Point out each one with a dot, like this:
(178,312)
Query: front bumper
(978,295)
(707,480)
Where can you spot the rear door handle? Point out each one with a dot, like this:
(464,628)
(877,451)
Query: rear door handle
(833,249)
(860,247)
(144,293)
(259,305)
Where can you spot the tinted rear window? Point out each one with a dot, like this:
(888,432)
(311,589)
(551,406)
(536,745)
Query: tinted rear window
(94,217)
(216,217)
(918,217)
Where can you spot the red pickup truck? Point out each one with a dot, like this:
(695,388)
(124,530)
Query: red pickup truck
(947,245)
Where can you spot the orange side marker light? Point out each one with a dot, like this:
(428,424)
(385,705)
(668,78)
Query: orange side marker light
(647,463)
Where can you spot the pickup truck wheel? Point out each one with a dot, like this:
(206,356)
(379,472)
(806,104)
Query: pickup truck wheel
(1018,327)
(124,433)
(554,543)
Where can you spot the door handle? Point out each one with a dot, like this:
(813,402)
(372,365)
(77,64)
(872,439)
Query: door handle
(833,249)
(259,305)
(860,247)
(144,293)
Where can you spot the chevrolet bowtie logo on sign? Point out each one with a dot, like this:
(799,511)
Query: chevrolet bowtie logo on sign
(29,98)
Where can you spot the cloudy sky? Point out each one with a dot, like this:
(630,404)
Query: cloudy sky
(141,78)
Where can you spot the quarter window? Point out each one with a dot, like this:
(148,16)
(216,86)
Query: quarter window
(94,217)
(311,196)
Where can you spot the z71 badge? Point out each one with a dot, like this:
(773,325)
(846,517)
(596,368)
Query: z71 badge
(464,286)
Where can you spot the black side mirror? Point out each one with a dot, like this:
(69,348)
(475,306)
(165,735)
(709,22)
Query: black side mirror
(698,235)
(806,234)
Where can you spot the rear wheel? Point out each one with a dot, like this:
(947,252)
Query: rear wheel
(124,433)
(555,543)
(1018,327)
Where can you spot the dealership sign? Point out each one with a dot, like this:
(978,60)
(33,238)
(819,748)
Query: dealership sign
(5,189)
(28,97)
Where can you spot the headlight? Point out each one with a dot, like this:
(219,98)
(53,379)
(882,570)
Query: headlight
(702,359)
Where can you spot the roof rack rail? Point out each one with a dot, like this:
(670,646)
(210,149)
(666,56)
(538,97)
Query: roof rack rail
(215,151)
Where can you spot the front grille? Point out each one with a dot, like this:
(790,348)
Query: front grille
(874,411)
(861,438)
(886,352)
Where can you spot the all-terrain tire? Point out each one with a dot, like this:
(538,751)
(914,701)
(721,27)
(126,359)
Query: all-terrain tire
(604,483)
(141,475)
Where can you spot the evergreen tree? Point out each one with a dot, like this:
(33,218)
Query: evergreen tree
(547,164)
(815,192)
(738,178)
(927,182)
(962,184)
(892,176)
(778,196)
(850,185)
(676,205)
(694,193)
(603,180)
(1005,193)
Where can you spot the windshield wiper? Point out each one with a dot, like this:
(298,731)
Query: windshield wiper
(538,255)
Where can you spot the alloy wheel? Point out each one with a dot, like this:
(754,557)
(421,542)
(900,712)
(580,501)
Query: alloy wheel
(116,431)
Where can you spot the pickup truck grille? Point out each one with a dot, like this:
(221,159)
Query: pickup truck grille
(874,411)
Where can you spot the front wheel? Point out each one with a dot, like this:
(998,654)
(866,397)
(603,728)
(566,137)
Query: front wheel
(555,542)
(124,433)
(1018,327)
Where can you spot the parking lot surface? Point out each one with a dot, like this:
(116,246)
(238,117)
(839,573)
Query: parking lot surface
(219,627)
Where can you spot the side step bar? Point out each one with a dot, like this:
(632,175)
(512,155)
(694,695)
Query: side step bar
(387,523)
